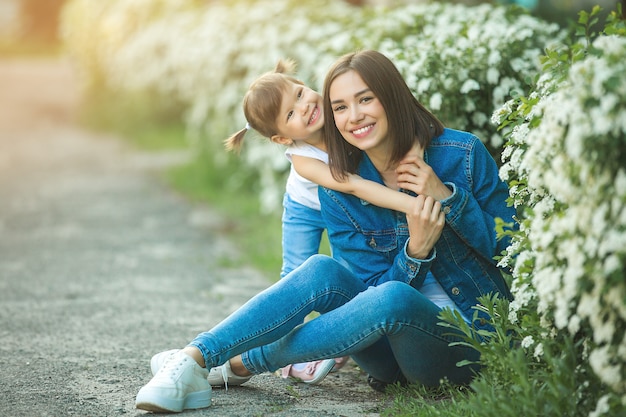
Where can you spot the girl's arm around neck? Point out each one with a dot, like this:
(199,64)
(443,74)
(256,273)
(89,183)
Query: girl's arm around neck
(318,172)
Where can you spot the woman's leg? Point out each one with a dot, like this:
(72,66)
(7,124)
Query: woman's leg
(320,284)
(388,330)
(302,233)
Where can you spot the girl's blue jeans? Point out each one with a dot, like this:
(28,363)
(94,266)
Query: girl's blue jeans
(302,234)
(388,330)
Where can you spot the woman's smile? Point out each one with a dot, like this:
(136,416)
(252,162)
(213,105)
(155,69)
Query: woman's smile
(363,131)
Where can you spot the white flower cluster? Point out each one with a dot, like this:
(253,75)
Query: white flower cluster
(95,32)
(462,62)
(573,166)
(463,65)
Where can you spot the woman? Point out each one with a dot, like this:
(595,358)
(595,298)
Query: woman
(391,274)
(381,132)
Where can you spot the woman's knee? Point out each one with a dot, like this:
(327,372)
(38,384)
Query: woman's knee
(397,297)
(318,271)
(322,273)
(319,261)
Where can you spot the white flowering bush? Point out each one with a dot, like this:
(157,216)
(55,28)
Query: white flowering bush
(94,32)
(572,163)
(462,62)
(565,158)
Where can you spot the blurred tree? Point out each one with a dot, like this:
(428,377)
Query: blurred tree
(529,4)
(40,19)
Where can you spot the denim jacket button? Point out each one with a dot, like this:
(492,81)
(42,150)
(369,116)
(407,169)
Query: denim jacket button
(446,210)
(456,291)
(372,243)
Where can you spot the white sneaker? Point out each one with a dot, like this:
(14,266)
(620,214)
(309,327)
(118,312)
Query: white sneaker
(180,384)
(157,361)
(220,376)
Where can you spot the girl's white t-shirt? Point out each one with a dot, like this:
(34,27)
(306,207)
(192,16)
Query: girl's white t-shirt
(299,188)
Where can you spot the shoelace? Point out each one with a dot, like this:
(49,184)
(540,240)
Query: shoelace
(225,376)
(170,363)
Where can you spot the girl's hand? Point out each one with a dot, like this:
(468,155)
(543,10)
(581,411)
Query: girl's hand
(426,221)
(416,175)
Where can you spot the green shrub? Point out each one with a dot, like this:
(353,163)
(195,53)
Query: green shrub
(566,155)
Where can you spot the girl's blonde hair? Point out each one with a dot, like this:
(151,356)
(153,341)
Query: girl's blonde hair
(262,103)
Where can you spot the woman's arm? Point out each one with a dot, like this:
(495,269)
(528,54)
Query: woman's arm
(318,172)
(366,238)
(470,208)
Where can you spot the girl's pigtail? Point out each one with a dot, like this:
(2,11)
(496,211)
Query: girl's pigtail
(262,102)
(235,141)
(285,66)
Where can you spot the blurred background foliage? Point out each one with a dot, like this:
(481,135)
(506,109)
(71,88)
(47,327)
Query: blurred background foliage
(36,21)
(162,61)
(30,26)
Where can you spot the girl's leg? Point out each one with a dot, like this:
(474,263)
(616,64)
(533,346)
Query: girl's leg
(388,330)
(302,233)
(320,284)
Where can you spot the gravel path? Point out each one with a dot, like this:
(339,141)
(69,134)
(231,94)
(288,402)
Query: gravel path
(101,266)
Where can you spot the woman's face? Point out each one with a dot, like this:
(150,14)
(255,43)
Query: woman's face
(359,115)
(301,113)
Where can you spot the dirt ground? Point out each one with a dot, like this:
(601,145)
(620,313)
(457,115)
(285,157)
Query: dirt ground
(101,266)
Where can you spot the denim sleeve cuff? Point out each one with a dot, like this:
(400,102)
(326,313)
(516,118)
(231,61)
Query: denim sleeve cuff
(448,201)
(416,269)
(453,203)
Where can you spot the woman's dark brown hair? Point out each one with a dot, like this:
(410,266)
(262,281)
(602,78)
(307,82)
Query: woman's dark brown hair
(408,120)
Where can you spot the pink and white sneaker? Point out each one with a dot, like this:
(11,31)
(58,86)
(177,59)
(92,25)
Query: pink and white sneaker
(310,372)
(340,363)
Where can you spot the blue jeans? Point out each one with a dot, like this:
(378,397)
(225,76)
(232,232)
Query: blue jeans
(302,234)
(389,330)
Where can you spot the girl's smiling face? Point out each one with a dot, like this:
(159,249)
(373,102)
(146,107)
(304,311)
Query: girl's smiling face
(301,113)
(359,115)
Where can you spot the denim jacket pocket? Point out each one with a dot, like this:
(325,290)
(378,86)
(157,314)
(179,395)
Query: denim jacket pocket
(381,240)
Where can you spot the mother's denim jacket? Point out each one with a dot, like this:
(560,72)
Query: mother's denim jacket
(371,241)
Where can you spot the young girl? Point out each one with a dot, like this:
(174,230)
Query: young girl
(283,109)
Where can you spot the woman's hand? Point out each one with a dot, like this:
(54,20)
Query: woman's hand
(416,175)
(426,221)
